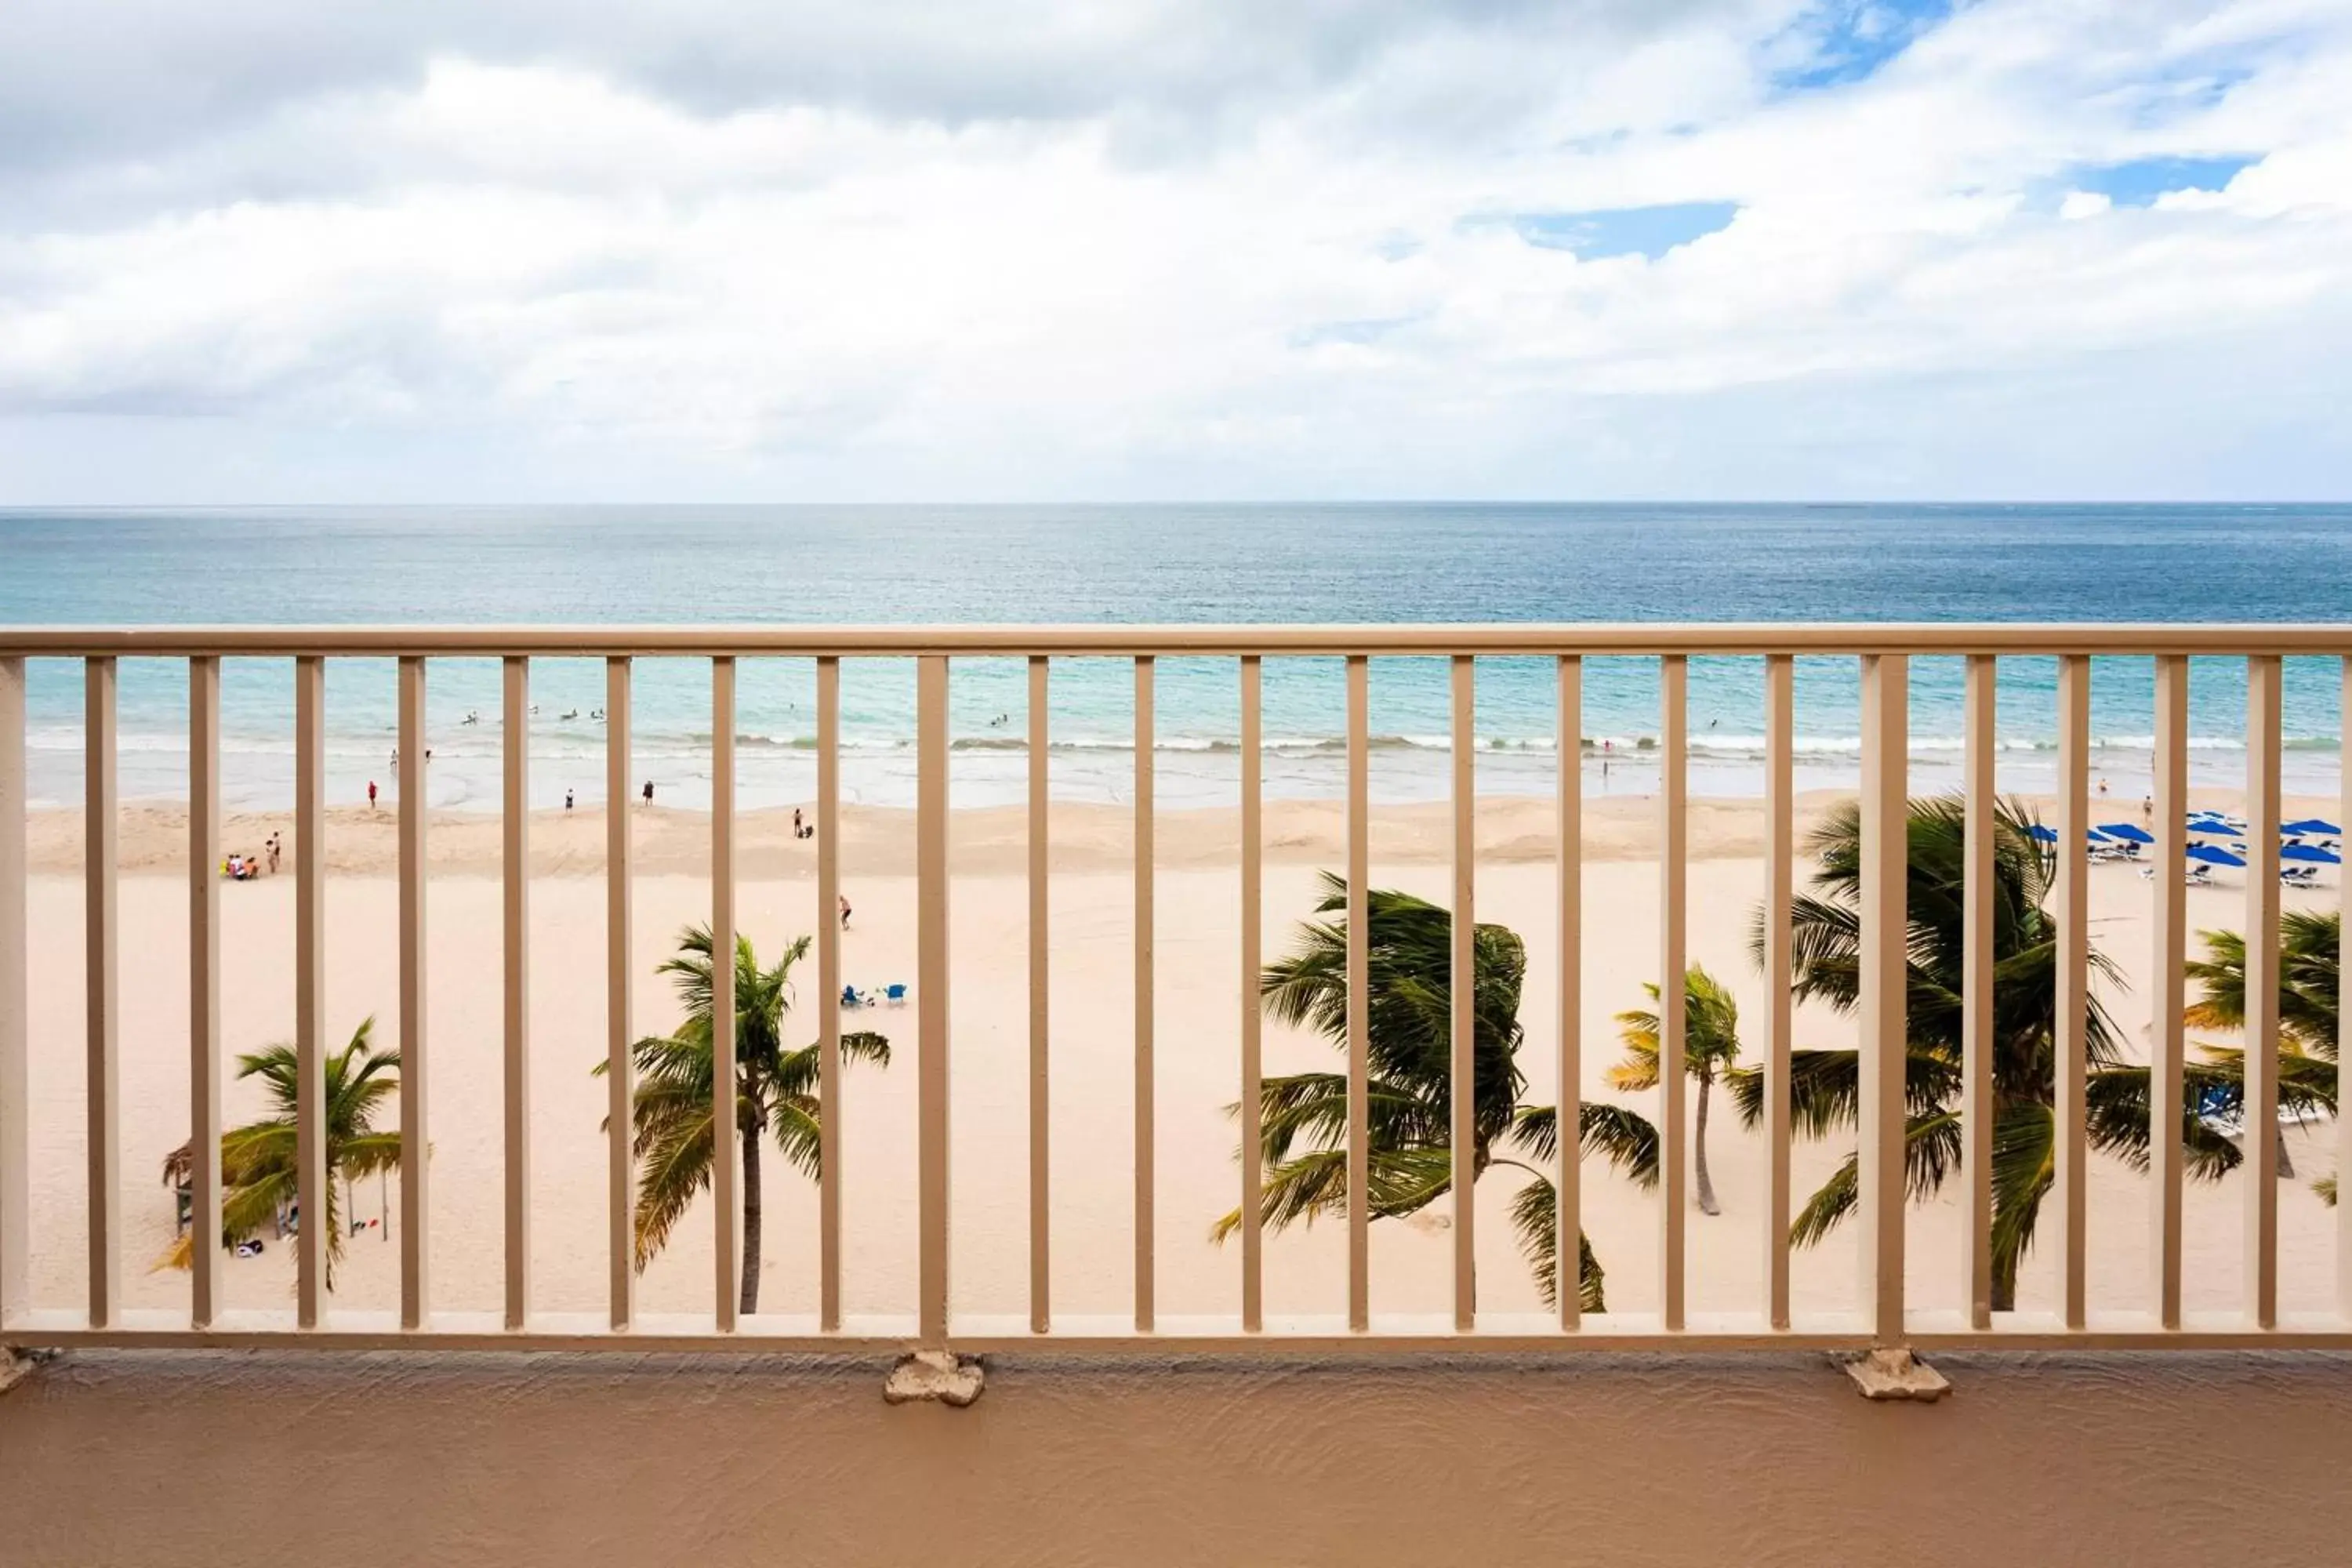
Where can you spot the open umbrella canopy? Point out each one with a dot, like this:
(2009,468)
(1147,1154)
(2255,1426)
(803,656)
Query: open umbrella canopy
(2213,828)
(2313,824)
(2213,855)
(2042,835)
(2127,832)
(2311,852)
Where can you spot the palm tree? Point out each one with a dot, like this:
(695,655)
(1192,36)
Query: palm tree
(1710,1047)
(1825,1086)
(775,1093)
(2309,943)
(1303,1118)
(260,1163)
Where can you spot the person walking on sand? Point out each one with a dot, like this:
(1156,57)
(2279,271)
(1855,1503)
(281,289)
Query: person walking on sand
(272,847)
(649,792)
(845,911)
(567,800)
(370,794)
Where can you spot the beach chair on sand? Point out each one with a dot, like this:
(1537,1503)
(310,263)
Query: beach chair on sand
(850,997)
(896,994)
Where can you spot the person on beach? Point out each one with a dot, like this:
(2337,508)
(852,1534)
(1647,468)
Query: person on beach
(796,823)
(273,847)
(2148,808)
(370,794)
(567,800)
(649,792)
(845,911)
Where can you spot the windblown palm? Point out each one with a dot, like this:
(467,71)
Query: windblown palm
(776,1094)
(2310,941)
(1824,1089)
(1304,1116)
(1711,1047)
(259,1164)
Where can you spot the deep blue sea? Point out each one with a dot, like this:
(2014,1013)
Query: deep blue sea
(1195,563)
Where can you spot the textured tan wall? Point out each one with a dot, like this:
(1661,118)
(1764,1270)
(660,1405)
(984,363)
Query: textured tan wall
(359,1460)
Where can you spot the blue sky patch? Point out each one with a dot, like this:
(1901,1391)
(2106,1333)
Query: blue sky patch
(1852,38)
(2139,183)
(1648,232)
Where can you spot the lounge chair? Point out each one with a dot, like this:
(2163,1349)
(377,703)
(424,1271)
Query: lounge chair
(896,994)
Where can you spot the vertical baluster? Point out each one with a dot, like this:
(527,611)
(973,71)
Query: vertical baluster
(1780,884)
(1360,969)
(828,990)
(1253,1065)
(1041,1208)
(515,887)
(931,978)
(310,988)
(1977,901)
(101,956)
(1146,1155)
(2166,1052)
(2070,1188)
(1567,1211)
(1463,981)
(2261,1141)
(1673,1137)
(2343,1003)
(415,1211)
(620,1066)
(1886,741)
(726,1130)
(15,1147)
(203,989)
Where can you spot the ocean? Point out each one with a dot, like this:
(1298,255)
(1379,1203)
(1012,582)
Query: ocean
(1378,562)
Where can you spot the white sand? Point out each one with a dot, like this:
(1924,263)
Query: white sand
(1198,1012)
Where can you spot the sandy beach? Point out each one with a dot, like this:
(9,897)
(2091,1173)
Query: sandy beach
(1197,1010)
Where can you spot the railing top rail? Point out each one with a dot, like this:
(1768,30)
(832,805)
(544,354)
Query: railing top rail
(1118,641)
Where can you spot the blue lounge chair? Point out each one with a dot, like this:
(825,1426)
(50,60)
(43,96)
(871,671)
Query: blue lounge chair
(896,994)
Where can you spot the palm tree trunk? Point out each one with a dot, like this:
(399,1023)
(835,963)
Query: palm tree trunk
(1706,1204)
(2285,1163)
(751,1297)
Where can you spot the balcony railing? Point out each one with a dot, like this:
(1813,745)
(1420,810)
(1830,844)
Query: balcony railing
(1881,1313)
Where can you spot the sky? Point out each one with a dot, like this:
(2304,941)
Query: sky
(1030,250)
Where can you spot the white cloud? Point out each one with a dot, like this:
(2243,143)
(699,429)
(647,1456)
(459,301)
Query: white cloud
(504,253)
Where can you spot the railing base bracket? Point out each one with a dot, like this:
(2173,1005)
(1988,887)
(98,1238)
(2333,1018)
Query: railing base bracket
(16,1365)
(942,1377)
(1893,1373)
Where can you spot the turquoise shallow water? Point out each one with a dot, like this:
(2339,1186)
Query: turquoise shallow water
(1264,564)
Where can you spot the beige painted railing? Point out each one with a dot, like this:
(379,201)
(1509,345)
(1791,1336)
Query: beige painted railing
(1882,1315)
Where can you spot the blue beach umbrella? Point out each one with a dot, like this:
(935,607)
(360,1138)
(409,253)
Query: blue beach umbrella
(2129,833)
(2313,824)
(2214,827)
(2042,835)
(2213,855)
(2311,852)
